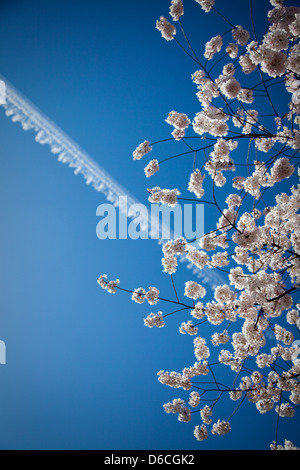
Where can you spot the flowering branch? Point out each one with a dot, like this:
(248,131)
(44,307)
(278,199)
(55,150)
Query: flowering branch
(259,222)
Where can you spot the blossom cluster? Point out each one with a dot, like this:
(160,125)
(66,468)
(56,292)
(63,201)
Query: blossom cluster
(164,196)
(139,295)
(110,286)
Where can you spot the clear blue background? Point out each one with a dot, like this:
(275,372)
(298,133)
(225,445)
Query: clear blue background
(81,367)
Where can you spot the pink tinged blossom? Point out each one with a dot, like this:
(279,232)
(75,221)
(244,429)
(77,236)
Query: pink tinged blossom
(206,5)
(276,3)
(138,295)
(110,286)
(240,35)
(154,319)
(288,445)
(163,196)
(230,88)
(178,120)
(174,380)
(277,40)
(246,63)
(213,46)
(295,26)
(197,257)
(169,264)
(142,150)
(176,9)
(285,410)
(221,427)
(151,168)
(178,134)
(193,290)
(274,63)
(194,399)
(196,183)
(166,29)
(152,295)
(201,433)
(232,50)
(281,169)
(187,327)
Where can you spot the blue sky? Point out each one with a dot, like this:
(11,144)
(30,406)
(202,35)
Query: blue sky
(81,367)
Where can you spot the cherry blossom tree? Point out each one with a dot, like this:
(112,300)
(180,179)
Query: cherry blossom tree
(256,239)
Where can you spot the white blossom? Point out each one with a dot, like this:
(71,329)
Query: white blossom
(240,35)
(235,394)
(199,258)
(184,414)
(151,168)
(230,88)
(196,182)
(201,350)
(174,406)
(211,120)
(277,39)
(163,196)
(264,405)
(221,427)
(174,380)
(187,327)
(152,295)
(281,169)
(198,311)
(138,295)
(178,134)
(295,26)
(178,120)
(110,286)
(201,433)
(207,5)
(246,63)
(176,9)
(206,414)
(285,410)
(213,46)
(276,3)
(288,445)
(283,335)
(154,319)
(232,50)
(194,399)
(167,30)
(142,150)
(219,260)
(170,264)
(193,290)
(220,338)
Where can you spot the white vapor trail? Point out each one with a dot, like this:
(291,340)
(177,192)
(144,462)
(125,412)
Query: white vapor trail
(20,109)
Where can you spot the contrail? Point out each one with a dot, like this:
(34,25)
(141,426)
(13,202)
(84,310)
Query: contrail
(20,109)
